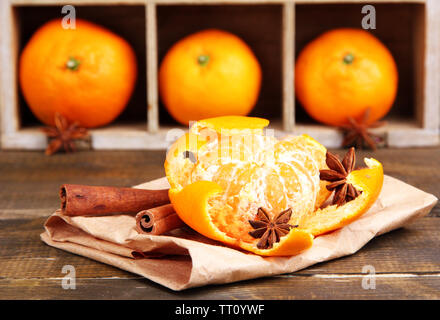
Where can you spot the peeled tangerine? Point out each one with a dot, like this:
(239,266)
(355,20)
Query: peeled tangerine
(226,175)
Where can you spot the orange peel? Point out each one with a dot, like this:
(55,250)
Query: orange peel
(368,180)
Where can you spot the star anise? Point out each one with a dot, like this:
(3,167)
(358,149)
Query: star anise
(357,133)
(63,134)
(337,174)
(270,230)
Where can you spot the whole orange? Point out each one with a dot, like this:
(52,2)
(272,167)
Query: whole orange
(342,73)
(207,74)
(86,74)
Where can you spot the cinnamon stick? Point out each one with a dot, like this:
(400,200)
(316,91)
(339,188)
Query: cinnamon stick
(158,220)
(81,200)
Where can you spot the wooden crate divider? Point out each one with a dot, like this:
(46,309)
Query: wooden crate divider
(151,135)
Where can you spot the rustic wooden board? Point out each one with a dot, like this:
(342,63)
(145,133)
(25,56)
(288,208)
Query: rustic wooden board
(406,262)
(407,250)
(29,181)
(294,287)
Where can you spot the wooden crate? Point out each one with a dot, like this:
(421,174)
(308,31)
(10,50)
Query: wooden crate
(275,29)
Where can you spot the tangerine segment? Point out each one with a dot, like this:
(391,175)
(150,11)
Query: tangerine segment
(369,181)
(311,148)
(196,213)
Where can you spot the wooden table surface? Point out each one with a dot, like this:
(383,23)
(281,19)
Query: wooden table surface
(406,261)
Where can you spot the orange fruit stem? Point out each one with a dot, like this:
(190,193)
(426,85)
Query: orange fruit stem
(348,58)
(73,64)
(203,60)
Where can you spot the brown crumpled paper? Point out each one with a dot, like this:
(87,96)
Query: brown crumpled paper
(185,259)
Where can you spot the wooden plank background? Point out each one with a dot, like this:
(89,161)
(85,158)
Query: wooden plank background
(407,260)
